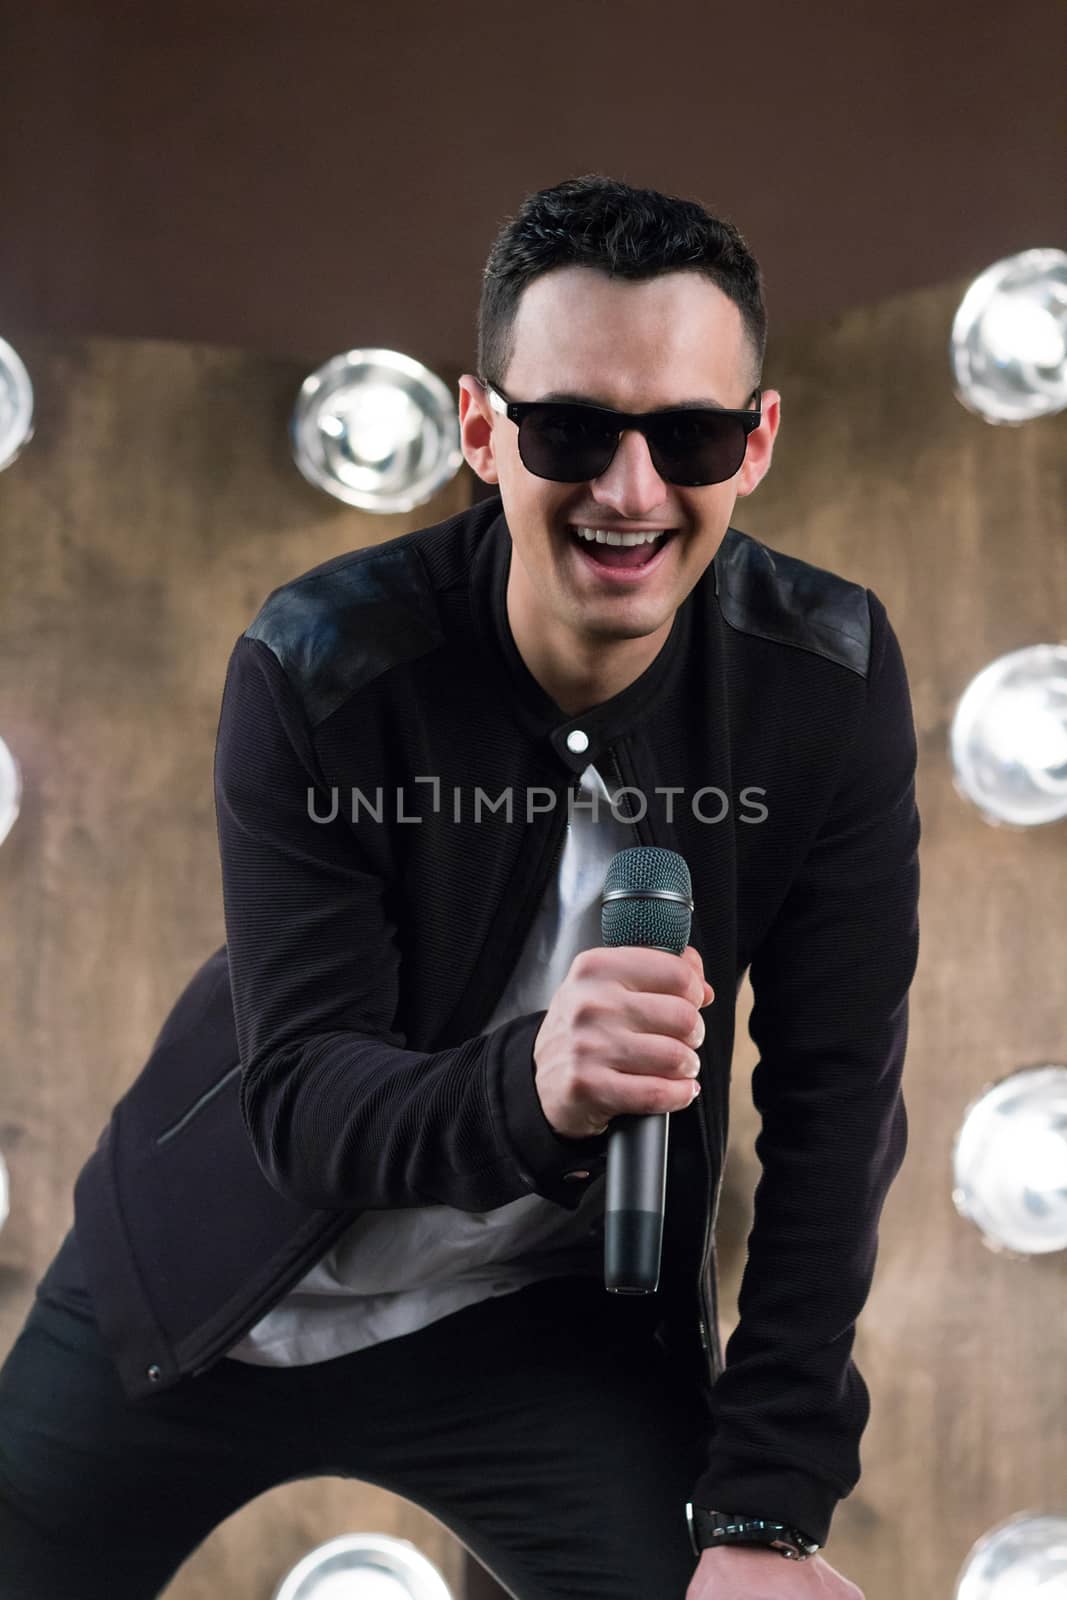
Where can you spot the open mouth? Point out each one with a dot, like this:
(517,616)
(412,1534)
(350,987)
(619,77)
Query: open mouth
(621,551)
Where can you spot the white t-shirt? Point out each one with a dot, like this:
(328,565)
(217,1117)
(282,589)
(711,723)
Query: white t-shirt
(394,1271)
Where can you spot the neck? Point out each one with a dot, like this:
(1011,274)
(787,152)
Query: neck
(579,673)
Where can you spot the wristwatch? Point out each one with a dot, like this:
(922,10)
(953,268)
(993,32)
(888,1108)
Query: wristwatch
(710,1528)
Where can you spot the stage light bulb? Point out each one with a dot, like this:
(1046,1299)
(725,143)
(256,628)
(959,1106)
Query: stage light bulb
(373,424)
(346,1586)
(16,405)
(376,429)
(10,791)
(1009,1162)
(1008,346)
(364,1566)
(1024,1558)
(1022,727)
(1008,738)
(1015,330)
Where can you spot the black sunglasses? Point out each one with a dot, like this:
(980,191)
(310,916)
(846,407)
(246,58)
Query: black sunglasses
(570,442)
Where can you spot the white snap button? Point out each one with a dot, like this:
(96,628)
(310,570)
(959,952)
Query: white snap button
(577,741)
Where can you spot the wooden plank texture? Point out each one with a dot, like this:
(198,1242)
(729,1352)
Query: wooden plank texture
(155,509)
(959,527)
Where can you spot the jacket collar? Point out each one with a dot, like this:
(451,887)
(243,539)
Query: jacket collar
(575,740)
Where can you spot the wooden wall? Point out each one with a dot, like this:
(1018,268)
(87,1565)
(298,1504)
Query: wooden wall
(154,511)
(960,528)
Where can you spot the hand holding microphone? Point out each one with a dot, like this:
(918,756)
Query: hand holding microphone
(620,1039)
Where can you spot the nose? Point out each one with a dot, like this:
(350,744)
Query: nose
(630,485)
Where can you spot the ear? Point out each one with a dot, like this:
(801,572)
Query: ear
(760,449)
(476,428)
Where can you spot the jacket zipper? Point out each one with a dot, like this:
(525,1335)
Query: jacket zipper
(709,1339)
(198,1105)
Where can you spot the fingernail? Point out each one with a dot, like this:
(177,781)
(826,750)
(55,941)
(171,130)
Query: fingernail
(696,1091)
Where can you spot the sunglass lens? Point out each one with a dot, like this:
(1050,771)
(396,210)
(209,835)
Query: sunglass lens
(692,449)
(565,443)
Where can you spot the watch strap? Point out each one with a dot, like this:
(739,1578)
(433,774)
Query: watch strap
(710,1528)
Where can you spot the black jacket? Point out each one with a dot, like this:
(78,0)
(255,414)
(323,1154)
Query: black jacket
(329,1058)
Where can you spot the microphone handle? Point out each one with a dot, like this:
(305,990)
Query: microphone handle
(634,1201)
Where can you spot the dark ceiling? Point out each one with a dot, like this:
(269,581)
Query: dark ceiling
(302,179)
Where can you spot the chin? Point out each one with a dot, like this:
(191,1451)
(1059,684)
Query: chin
(609,629)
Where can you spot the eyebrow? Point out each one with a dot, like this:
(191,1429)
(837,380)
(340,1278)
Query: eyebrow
(587,400)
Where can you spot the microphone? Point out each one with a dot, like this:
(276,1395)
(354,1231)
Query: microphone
(647,901)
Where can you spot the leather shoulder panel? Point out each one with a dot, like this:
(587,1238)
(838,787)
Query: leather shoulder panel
(792,602)
(344,623)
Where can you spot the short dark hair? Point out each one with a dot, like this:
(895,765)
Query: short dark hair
(600,222)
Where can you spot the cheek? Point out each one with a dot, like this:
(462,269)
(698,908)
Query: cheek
(714,510)
(542,509)
(712,517)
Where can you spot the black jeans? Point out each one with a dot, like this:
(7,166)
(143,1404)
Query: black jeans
(546,1428)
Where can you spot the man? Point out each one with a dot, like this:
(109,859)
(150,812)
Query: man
(348,1219)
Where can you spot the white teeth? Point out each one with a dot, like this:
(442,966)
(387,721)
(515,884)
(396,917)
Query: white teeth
(600,536)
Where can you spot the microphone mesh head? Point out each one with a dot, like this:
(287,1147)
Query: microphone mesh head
(662,923)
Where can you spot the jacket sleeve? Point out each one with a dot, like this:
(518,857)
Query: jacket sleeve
(341,1116)
(830,1018)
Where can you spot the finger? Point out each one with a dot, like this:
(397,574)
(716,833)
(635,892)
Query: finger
(696,960)
(645,1054)
(634,1094)
(668,1015)
(653,971)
